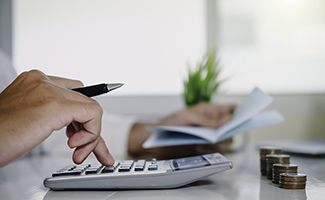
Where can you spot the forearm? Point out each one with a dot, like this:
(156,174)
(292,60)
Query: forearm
(137,136)
(19,138)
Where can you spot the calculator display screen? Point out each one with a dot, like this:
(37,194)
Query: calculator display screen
(190,162)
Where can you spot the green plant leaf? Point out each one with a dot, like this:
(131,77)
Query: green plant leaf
(202,83)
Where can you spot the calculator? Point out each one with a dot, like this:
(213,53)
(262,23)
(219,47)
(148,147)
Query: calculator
(138,174)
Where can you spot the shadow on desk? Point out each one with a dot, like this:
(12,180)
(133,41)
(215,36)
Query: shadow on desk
(177,193)
(78,195)
(268,190)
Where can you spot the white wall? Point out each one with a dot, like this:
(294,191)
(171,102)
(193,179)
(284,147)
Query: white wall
(144,43)
(278,45)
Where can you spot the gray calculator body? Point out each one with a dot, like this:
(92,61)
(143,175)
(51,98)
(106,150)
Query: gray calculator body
(139,174)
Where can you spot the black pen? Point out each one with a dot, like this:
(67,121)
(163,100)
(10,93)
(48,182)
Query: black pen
(99,89)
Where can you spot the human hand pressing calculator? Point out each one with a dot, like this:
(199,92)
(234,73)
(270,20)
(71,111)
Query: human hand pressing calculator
(140,174)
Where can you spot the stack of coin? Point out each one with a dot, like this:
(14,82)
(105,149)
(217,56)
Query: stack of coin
(266,150)
(282,168)
(274,159)
(293,181)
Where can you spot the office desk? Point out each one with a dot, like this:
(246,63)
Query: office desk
(23,178)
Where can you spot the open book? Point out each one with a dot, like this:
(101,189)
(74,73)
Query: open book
(249,115)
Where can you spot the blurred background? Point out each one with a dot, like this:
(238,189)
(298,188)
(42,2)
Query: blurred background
(278,45)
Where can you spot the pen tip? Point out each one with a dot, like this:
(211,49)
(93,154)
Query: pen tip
(113,86)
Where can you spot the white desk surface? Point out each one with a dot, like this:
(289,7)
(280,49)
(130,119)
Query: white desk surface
(23,178)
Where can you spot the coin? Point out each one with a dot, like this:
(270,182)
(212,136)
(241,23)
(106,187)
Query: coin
(267,150)
(275,159)
(282,168)
(285,166)
(293,180)
(293,187)
(293,177)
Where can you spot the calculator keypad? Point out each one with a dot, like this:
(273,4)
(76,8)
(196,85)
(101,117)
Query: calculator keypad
(138,174)
(142,166)
(123,166)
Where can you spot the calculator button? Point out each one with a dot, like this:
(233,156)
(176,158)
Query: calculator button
(152,167)
(92,170)
(153,161)
(124,168)
(77,170)
(108,169)
(81,167)
(66,173)
(71,168)
(139,165)
(138,168)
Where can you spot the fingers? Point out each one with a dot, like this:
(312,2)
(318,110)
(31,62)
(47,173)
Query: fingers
(229,109)
(56,106)
(222,120)
(211,115)
(213,110)
(201,120)
(72,128)
(100,150)
(84,131)
(196,118)
(89,114)
(80,138)
(224,115)
(102,154)
(86,139)
(82,152)
(66,83)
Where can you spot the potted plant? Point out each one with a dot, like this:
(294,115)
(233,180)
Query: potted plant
(202,82)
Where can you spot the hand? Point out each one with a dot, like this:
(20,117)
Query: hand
(203,114)
(35,105)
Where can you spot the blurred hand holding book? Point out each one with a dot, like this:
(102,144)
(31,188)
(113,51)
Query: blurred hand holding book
(249,115)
